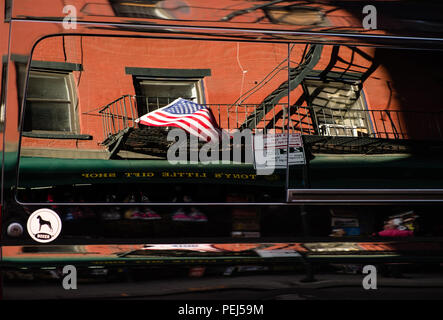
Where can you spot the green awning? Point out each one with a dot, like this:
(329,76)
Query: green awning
(48,171)
(324,171)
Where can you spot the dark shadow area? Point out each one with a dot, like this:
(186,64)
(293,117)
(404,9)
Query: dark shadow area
(416,82)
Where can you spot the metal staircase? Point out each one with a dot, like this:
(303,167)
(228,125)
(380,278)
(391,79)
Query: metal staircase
(296,76)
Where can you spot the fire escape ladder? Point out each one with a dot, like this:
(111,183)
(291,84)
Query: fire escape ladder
(296,76)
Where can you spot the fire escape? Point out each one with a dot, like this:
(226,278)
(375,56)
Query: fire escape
(325,129)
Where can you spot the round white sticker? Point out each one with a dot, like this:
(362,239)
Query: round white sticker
(44,225)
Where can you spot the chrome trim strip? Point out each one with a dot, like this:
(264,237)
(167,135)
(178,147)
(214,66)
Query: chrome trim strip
(368,196)
(246,30)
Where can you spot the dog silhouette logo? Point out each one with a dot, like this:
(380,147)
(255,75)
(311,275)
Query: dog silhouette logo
(44,225)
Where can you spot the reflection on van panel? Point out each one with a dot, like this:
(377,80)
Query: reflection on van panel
(365,105)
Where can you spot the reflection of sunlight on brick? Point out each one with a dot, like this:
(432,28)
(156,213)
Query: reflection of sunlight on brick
(326,155)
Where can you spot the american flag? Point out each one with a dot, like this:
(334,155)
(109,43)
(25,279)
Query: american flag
(192,117)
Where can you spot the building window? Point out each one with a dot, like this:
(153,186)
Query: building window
(8,10)
(3,96)
(295,15)
(50,102)
(157,87)
(147,9)
(337,108)
(159,93)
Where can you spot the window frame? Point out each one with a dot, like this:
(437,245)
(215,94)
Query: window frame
(150,10)
(72,101)
(141,101)
(360,100)
(4,71)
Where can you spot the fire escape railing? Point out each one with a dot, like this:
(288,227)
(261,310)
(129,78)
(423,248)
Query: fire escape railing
(120,114)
